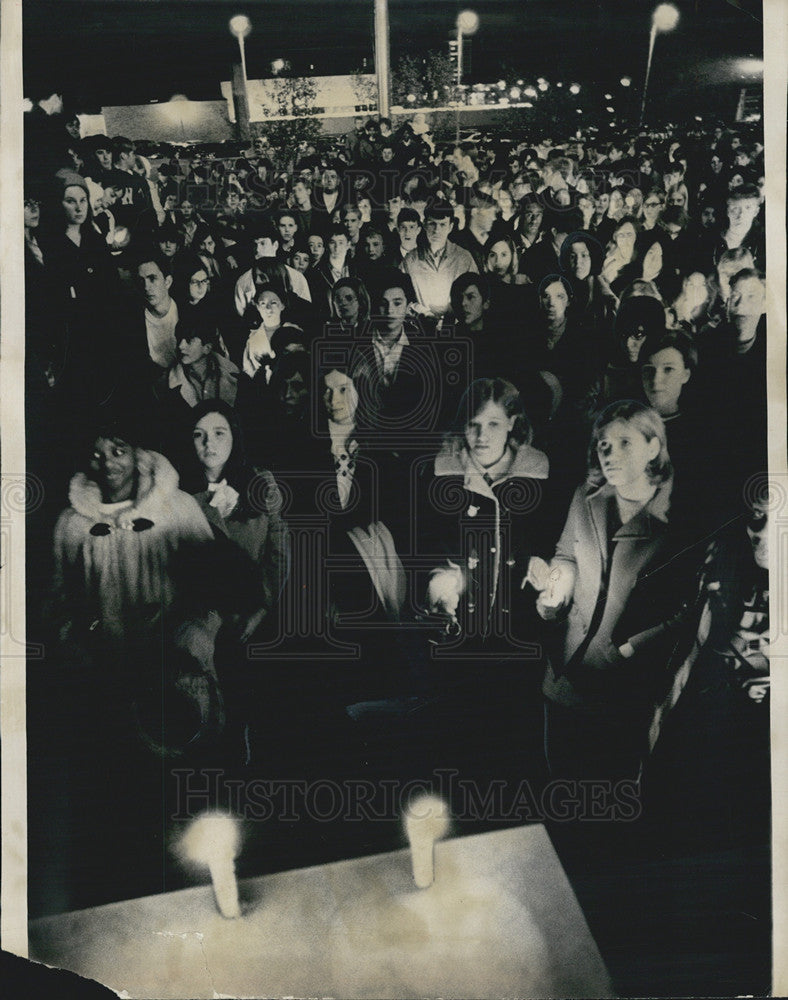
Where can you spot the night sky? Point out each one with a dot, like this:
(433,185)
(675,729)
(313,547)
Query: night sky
(104,52)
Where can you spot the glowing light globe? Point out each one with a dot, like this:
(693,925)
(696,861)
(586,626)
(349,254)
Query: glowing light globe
(467,21)
(665,17)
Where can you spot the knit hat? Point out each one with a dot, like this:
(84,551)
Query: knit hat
(66,178)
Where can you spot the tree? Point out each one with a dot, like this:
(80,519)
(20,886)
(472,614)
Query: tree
(430,79)
(294,96)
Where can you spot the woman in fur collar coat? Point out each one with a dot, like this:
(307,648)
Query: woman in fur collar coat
(115,542)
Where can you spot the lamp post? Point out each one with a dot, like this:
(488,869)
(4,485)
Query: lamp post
(467,24)
(240,26)
(664,18)
(382,60)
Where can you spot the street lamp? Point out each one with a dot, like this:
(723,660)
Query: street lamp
(240,26)
(664,18)
(467,24)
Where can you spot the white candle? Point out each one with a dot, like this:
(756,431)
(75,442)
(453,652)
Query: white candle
(426,820)
(213,841)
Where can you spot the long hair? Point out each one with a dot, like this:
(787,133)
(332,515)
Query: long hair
(490,390)
(360,291)
(237,470)
(644,420)
(499,237)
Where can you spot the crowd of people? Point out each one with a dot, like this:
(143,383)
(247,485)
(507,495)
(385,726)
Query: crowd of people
(378,425)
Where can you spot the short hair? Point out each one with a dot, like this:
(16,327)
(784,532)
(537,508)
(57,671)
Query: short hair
(299,244)
(152,255)
(288,333)
(306,181)
(563,221)
(195,323)
(285,213)
(392,277)
(120,145)
(477,198)
(407,214)
(655,192)
(264,230)
(552,279)
(349,206)
(747,272)
(736,256)
(490,390)
(437,208)
(335,229)
(462,283)
(744,192)
(645,420)
(678,340)
(674,215)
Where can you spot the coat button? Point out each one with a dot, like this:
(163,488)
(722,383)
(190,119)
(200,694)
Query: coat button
(493,549)
(510,562)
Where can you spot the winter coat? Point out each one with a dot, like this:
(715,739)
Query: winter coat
(489,532)
(262,535)
(639,593)
(112,567)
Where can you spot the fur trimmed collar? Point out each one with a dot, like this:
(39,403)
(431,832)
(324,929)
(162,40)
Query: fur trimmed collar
(157,483)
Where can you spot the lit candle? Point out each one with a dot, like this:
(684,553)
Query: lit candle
(213,841)
(426,820)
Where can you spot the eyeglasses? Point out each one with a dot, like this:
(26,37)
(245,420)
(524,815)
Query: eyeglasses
(31,203)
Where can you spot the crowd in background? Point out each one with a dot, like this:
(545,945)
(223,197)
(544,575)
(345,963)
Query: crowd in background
(381,423)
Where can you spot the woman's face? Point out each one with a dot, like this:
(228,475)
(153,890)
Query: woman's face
(208,245)
(499,259)
(365,207)
(339,397)
(75,205)
(678,198)
(505,203)
(616,207)
(487,434)
(652,262)
(633,201)
(112,467)
(316,248)
(580,261)
(270,307)
(624,454)
(625,239)
(346,304)
(664,376)
(199,284)
(213,442)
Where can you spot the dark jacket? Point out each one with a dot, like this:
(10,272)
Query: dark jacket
(490,532)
